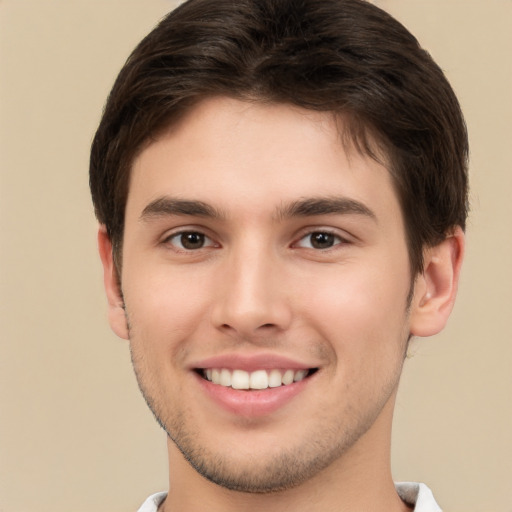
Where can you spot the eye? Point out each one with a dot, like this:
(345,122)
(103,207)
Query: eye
(189,241)
(319,240)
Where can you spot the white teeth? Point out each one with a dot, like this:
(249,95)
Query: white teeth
(274,379)
(225,377)
(288,377)
(259,379)
(239,379)
(299,375)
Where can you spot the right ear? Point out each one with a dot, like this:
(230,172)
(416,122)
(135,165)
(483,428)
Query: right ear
(116,312)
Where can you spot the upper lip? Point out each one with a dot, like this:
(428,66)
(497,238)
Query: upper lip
(251,363)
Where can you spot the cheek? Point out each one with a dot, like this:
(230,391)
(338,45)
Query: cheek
(363,319)
(164,307)
(360,308)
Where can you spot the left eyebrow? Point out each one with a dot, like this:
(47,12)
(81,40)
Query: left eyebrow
(310,207)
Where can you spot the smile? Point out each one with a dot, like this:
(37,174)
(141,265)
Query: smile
(256,380)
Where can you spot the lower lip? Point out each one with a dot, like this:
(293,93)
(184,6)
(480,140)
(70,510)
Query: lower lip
(253,403)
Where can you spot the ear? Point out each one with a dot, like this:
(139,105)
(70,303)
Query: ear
(116,312)
(436,288)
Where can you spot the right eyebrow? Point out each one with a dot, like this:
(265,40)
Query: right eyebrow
(166,206)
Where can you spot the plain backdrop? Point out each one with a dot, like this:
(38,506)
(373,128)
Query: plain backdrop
(74,432)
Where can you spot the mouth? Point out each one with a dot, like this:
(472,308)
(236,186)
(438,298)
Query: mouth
(256,380)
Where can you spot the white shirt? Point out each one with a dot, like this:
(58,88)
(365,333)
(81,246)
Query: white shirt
(417,495)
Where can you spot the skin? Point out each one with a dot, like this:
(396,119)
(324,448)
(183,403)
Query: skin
(260,285)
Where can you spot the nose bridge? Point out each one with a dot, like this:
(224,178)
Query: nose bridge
(252,296)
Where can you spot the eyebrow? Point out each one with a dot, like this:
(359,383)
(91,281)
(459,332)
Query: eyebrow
(310,207)
(165,206)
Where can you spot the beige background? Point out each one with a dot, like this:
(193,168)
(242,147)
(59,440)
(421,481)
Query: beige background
(74,433)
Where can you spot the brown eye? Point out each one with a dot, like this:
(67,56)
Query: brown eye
(322,240)
(190,241)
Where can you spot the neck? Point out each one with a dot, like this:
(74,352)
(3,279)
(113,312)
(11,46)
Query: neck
(359,480)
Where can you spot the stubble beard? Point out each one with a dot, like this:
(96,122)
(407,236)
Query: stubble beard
(276,472)
(281,471)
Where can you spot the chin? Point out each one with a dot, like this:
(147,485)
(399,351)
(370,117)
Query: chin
(258,474)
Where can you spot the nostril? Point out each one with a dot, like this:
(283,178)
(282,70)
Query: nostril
(263,326)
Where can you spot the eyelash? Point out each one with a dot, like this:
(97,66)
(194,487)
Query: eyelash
(335,238)
(325,235)
(179,236)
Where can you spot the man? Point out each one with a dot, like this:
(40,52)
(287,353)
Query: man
(281,187)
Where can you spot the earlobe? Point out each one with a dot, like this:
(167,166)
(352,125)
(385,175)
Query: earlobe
(116,312)
(436,288)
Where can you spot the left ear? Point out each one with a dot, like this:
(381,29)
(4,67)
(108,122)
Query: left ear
(436,288)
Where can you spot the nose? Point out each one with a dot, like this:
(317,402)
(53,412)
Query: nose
(252,298)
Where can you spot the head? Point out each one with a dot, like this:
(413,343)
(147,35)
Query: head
(342,56)
(279,183)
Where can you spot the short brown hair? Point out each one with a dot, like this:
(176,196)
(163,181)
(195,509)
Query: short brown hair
(344,56)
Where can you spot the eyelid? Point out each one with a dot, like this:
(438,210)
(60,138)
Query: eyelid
(169,236)
(343,239)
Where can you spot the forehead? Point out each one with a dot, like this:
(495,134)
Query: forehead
(238,153)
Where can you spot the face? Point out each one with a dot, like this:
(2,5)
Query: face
(265,279)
